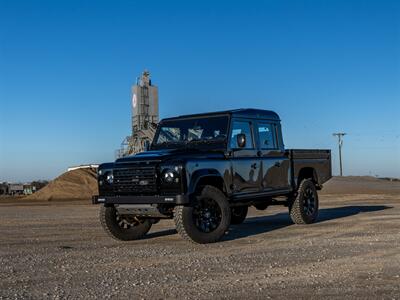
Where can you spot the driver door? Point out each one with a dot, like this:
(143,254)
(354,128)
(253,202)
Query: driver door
(246,165)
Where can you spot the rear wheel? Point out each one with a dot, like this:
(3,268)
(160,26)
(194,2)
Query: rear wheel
(206,220)
(261,206)
(304,207)
(239,214)
(123,227)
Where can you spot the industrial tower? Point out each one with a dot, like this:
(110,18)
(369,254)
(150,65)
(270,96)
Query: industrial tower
(144,116)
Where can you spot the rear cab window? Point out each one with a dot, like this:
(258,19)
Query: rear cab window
(267,136)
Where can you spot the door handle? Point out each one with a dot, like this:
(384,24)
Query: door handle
(277,164)
(254,166)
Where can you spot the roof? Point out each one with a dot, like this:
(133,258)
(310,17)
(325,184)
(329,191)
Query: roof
(242,112)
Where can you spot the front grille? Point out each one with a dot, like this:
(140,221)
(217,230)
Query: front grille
(136,180)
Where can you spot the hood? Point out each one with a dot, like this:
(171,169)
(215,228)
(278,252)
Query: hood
(170,154)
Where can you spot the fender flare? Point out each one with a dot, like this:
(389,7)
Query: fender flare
(314,176)
(200,174)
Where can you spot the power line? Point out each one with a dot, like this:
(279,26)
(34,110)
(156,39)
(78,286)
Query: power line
(340,136)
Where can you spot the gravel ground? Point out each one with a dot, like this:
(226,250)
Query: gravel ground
(58,250)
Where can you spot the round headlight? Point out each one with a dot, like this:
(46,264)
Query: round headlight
(110,178)
(170,176)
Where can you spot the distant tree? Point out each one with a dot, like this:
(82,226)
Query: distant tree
(39,184)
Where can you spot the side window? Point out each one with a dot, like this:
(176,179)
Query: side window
(266,136)
(241,127)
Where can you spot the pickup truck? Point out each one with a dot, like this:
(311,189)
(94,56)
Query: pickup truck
(204,171)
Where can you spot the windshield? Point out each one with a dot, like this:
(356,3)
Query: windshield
(193,130)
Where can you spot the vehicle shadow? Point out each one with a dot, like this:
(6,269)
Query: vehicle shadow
(263,224)
(160,233)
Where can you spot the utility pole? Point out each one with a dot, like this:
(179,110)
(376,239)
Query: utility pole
(340,142)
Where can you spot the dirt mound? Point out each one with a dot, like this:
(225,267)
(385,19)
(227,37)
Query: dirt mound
(360,185)
(78,184)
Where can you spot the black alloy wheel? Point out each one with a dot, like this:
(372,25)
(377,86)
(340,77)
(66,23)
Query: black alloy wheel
(309,201)
(207,219)
(207,215)
(303,207)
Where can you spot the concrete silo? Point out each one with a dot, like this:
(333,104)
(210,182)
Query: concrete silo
(144,104)
(144,116)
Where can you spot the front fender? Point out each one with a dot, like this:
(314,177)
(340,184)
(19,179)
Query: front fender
(202,174)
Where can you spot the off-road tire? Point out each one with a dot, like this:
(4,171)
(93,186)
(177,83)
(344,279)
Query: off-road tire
(108,220)
(297,207)
(185,220)
(239,214)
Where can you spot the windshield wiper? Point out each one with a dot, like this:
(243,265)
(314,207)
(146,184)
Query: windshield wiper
(169,143)
(204,141)
(194,141)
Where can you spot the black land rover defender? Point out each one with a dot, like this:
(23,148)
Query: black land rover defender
(204,171)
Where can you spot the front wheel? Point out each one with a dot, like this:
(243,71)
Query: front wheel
(123,227)
(206,220)
(304,207)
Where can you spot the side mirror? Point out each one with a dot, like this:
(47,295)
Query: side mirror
(241,140)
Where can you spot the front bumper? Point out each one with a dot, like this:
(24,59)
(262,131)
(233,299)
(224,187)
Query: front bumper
(177,199)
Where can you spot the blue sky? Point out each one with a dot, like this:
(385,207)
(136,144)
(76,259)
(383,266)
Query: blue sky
(66,69)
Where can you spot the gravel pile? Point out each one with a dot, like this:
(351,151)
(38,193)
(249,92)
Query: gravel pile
(78,184)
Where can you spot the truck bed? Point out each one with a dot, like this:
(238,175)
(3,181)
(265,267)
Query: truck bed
(319,160)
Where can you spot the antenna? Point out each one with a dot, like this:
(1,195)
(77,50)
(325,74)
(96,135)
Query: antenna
(340,136)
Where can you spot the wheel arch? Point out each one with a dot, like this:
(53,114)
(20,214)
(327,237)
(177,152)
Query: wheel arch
(206,177)
(307,172)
